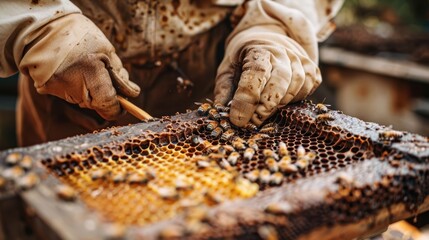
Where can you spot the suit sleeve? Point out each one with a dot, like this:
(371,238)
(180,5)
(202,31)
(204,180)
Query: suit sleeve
(19,21)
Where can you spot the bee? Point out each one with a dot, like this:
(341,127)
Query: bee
(233,158)
(225,124)
(278,208)
(283,149)
(286,159)
(324,118)
(218,106)
(214,197)
(302,164)
(119,177)
(267,232)
(270,153)
(221,108)
(215,149)
(28,181)
(195,139)
(228,148)
(214,114)
(222,150)
(259,136)
(228,134)
(227,109)
(224,114)
(269,128)
(238,143)
(390,135)
(203,109)
(168,193)
(248,153)
(276,178)
(26,163)
(65,193)
(182,183)
(138,178)
(253,175)
(98,174)
(251,127)
(224,164)
(13,158)
(264,176)
(310,156)
(253,144)
(322,108)
(217,132)
(211,125)
(287,167)
(300,152)
(216,156)
(272,164)
(172,231)
(13,172)
(201,164)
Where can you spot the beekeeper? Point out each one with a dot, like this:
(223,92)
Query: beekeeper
(76,57)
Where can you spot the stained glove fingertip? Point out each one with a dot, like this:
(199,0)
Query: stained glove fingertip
(241,112)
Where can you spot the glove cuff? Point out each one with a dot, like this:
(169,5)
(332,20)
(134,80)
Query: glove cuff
(280,19)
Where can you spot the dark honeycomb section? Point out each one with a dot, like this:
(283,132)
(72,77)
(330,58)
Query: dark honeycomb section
(306,167)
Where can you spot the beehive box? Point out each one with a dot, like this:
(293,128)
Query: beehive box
(307,173)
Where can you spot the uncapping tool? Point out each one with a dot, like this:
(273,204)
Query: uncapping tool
(133,109)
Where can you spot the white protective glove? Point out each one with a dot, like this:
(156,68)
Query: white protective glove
(271,58)
(64,53)
(87,72)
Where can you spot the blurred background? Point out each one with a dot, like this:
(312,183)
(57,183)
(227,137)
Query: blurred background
(376,64)
(375,67)
(8,96)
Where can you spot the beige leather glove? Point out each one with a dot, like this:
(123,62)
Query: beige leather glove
(72,59)
(268,69)
(270,61)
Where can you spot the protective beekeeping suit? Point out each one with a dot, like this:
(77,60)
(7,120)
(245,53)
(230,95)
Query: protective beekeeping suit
(75,57)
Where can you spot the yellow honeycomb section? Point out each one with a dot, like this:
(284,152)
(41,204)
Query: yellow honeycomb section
(174,184)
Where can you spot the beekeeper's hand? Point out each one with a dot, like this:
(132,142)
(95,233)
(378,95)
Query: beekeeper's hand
(271,57)
(262,71)
(83,66)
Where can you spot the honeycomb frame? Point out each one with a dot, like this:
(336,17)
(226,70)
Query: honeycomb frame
(331,197)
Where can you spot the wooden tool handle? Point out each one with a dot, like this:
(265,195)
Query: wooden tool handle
(133,109)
